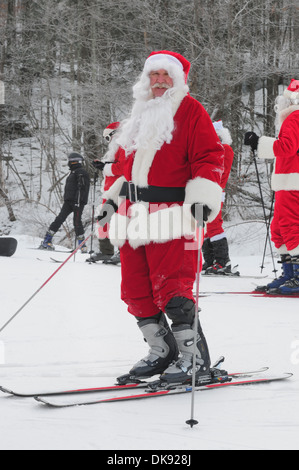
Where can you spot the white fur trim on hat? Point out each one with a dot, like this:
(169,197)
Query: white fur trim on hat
(292,92)
(152,60)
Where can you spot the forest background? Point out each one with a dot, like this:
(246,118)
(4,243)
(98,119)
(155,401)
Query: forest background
(67,68)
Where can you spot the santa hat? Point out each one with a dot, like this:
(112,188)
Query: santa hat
(222,132)
(292,92)
(170,61)
(110,130)
(176,65)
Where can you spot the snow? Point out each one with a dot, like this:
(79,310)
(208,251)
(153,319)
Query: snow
(77,333)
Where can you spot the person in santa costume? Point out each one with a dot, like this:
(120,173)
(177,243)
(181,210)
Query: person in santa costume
(112,166)
(285,182)
(215,247)
(174,160)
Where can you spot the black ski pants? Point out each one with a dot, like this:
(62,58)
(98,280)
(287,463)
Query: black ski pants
(67,209)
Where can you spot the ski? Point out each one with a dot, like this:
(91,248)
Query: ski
(230,275)
(53,260)
(171,390)
(126,386)
(209,293)
(250,293)
(52,251)
(56,260)
(79,391)
(279,296)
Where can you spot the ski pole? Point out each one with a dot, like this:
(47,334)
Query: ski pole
(199,210)
(95,178)
(264,211)
(268,232)
(42,286)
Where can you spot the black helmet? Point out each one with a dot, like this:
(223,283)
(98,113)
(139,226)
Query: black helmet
(75,158)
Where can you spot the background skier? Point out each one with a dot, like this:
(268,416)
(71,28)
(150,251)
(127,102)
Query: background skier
(75,199)
(215,247)
(285,182)
(112,167)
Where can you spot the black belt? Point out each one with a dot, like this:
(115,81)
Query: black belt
(151,193)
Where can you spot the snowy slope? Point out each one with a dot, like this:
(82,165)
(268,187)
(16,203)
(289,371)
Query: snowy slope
(77,332)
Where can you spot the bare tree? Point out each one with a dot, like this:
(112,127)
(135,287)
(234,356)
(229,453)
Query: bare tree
(69,67)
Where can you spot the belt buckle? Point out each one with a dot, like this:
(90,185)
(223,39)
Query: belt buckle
(133,193)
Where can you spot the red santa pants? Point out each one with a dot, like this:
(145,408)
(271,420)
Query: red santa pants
(155,273)
(216,227)
(285,224)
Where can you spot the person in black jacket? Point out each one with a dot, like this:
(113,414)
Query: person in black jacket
(75,198)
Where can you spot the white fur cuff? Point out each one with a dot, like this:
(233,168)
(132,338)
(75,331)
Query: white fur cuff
(206,192)
(265,147)
(108,170)
(113,192)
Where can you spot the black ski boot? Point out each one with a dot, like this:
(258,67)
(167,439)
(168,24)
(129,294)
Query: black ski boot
(208,254)
(222,264)
(163,347)
(182,312)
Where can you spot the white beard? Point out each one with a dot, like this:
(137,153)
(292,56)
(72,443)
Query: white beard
(151,124)
(112,148)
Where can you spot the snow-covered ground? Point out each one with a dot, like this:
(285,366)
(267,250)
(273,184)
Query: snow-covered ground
(76,333)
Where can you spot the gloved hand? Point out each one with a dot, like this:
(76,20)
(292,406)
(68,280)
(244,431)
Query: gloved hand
(206,211)
(106,213)
(251,139)
(98,164)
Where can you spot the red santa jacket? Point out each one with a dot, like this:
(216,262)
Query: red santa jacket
(285,151)
(113,170)
(228,161)
(193,160)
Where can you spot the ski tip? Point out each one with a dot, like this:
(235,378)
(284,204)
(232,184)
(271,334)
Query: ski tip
(6,390)
(43,401)
(288,375)
(191,422)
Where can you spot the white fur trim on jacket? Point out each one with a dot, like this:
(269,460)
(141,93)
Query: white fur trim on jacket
(142,163)
(287,111)
(113,192)
(118,229)
(161,226)
(285,181)
(165,223)
(279,181)
(206,192)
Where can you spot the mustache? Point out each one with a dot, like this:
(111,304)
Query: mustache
(161,85)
